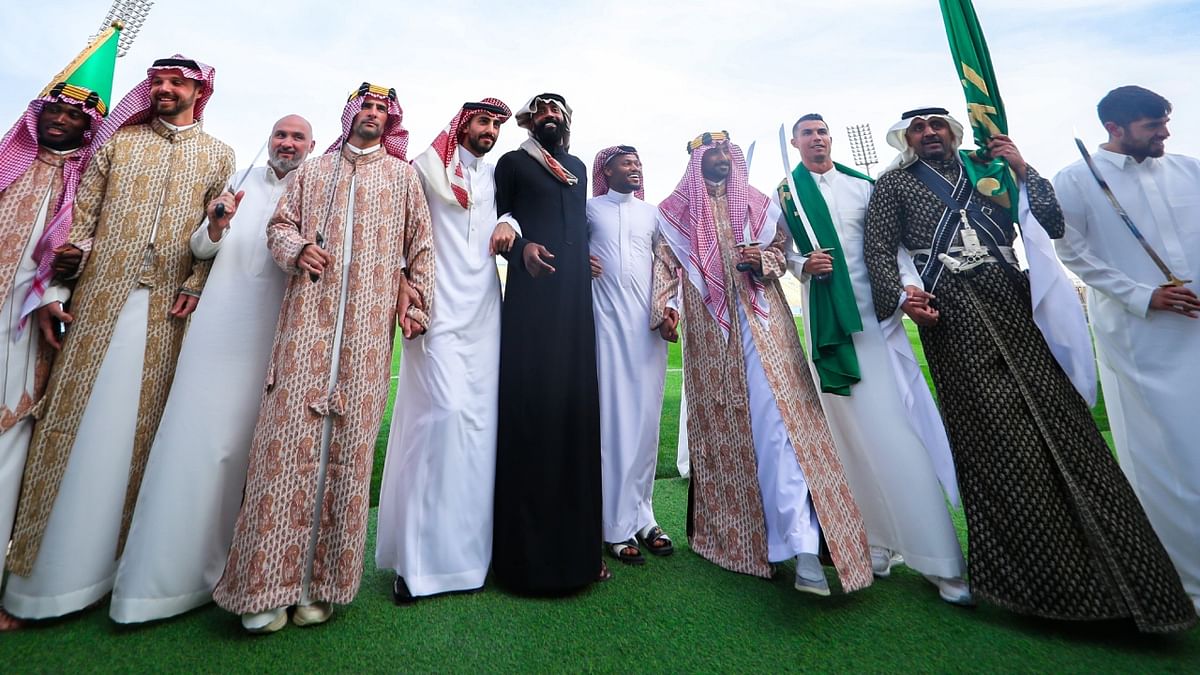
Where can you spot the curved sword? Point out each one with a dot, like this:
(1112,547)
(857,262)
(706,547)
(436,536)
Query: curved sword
(1172,280)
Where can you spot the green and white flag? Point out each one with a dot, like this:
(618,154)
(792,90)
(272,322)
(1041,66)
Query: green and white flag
(984,107)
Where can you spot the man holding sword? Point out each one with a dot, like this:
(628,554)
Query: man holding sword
(184,521)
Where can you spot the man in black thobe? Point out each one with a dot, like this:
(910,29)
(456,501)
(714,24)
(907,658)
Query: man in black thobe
(547,518)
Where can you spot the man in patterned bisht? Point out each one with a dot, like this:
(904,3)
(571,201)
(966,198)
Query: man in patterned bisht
(343,231)
(135,283)
(766,479)
(41,161)
(631,361)
(1055,529)
(435,504)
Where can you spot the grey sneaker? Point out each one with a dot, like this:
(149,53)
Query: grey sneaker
(882,560)
(810,576)
(952,590)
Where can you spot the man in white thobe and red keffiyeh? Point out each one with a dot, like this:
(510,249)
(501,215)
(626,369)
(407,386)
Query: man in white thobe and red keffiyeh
(631,360)
(435,505)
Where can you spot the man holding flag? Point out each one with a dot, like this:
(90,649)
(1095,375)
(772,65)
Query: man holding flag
(867,371)
(1055,530)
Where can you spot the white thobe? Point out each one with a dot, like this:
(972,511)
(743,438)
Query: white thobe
(888,433)
(19,348)
(631,360)
(435,503)
(192,490)
(1149,360)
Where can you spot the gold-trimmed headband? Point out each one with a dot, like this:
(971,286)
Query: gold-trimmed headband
(374,90)
(707,138)
(85,97)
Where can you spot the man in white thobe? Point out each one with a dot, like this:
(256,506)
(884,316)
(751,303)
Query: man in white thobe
(885,425)
(631,360)
(1147,339)
(192,491)
(435,503)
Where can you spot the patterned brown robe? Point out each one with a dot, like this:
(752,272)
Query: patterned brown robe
(143,172)
(271,542)
(1055,530)
(19,207)
(726,521)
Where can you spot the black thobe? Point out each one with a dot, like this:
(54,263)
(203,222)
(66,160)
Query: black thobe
(547,513)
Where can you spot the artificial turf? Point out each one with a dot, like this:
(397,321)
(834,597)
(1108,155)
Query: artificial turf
(674,614)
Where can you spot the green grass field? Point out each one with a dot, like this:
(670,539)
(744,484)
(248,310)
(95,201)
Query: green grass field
(678,614)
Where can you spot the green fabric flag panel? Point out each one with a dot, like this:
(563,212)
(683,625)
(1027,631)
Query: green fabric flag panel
(985,110)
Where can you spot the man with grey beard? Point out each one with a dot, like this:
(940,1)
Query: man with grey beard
(185,514)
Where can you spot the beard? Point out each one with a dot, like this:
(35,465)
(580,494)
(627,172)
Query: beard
(368,133)
(285,166)
(550,137)
(480,145)
(172,107)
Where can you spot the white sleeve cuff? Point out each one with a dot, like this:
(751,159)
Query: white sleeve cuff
(508,218)
(204,248)
(55,293)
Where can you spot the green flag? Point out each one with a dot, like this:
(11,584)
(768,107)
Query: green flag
(92,71)
(985,110)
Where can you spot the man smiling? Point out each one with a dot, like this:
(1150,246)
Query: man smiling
(189,500)
(136,282)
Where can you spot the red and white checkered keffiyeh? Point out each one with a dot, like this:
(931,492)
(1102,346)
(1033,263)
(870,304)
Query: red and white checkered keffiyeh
(693,232)
(137,107)
(18,151)
(600,181)
(441,164)
(395,136)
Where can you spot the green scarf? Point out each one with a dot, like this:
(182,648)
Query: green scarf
(832,310)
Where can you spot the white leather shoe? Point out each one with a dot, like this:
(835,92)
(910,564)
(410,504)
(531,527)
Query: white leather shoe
(810,576)
(311,615)
(953,590)
(265,622)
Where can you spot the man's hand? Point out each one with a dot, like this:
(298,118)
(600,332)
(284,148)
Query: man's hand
(185,304)
(751,255)
(66,260)
(314,259)
(45,314)
(668,329)
(918,307)
(1003,146)
(536,259)
(597,268)
(217,226)
(818,263)
(1175,299)
(502,238)
(406,297)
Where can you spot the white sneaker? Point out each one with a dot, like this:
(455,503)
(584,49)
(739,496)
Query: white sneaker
(265,622)
(882,560)
(810,576)
(952,590)
(313,614)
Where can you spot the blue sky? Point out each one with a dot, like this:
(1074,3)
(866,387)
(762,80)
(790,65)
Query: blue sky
(650,74)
